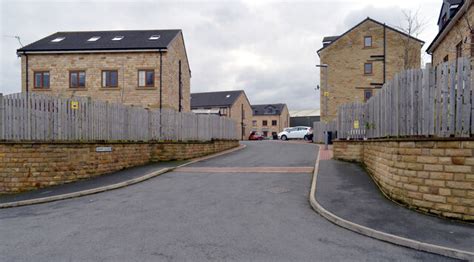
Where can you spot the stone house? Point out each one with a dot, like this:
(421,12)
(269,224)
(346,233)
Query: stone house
(148,68)
(270,119)
(455,32)
(358,62)
(233,104)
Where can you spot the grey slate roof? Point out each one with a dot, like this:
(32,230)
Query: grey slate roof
(77,41)
(267,109)
(330,38)
(214,99)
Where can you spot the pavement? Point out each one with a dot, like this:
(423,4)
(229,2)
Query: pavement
(197,216)
(347,191)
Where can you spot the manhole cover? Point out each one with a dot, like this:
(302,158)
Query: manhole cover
(277,190)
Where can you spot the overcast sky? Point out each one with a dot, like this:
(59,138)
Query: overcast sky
(267,48)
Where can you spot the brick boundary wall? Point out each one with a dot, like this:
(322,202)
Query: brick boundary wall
(434,176)
(31,165)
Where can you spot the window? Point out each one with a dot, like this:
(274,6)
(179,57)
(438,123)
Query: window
(368,68)
(154,37)
(265,133)
(93,39)
(58,39)
(77,79)
(367,41)
(254,122)
(117,38)
(274,122)
(367,95)
(446,58)
(109,78)
(42,79)
(264,122)
(146,78)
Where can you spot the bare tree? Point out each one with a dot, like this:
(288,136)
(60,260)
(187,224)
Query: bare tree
(412,25)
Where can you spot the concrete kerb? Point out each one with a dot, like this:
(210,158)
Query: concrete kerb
(114,186)
(394,239)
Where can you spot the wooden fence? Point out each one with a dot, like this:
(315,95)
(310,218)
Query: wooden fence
(319,129)
(430,102)
(48,118)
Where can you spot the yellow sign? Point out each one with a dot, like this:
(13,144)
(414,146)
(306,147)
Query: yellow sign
(74,105)
(356,124)
(326,93)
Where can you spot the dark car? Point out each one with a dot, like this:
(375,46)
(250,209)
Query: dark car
(256,136)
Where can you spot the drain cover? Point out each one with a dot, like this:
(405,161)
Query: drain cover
(277,190)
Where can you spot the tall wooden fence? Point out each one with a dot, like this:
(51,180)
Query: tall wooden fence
(48,118)
(436,102)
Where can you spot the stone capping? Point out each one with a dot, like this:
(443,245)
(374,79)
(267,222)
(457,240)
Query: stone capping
(409,139)
(433,176)
(75,142)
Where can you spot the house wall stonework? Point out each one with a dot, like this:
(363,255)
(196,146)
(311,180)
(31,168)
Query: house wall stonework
(127,64)
(460,33)
(346,58)
(236,115)
(283,120)
(32,165)
(432,176)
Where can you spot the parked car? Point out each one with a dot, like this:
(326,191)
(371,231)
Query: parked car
(256,136)
(297,132)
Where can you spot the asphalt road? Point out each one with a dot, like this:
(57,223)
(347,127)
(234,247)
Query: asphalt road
(196,217)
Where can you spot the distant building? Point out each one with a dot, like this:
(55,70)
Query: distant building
(270,119)
(148,68)
(456,32)
(304,117)
(360,61)
(233,104)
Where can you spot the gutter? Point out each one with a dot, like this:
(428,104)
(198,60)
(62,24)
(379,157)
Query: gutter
(91,51)
(449,26)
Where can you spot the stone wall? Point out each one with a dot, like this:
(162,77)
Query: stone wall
(31,165)
(459,34)
(236,114)
(434,176)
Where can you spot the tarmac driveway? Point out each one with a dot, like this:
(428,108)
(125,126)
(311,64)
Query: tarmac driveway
(246,214)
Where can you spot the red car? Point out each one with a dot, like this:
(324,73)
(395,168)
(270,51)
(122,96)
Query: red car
(256,136)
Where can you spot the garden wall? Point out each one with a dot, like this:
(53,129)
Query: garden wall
(435,176)
(31,165)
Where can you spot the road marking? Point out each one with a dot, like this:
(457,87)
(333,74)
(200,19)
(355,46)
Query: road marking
(305,169)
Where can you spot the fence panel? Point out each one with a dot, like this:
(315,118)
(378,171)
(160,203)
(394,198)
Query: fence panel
(422,102)
(47,118)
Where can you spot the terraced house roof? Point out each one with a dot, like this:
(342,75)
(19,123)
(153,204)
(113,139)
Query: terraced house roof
(214,99)
(267,109)
(103,41)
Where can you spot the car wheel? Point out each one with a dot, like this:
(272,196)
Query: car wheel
(283,137)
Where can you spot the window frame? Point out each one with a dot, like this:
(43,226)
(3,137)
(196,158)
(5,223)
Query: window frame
(371,68)
(365,92)
(42,79)
(146,71)
(78,73)
(371,41)
(274,121)
(254,123)
(108,78)
(264,122)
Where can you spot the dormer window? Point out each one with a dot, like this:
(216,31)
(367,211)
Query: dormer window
(117,38)
(93,39)
(154,37)
(227,96)
(58,39)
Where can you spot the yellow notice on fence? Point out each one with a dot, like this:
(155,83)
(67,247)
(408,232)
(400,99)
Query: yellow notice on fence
(356,124)
(74,105)
(326,93)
